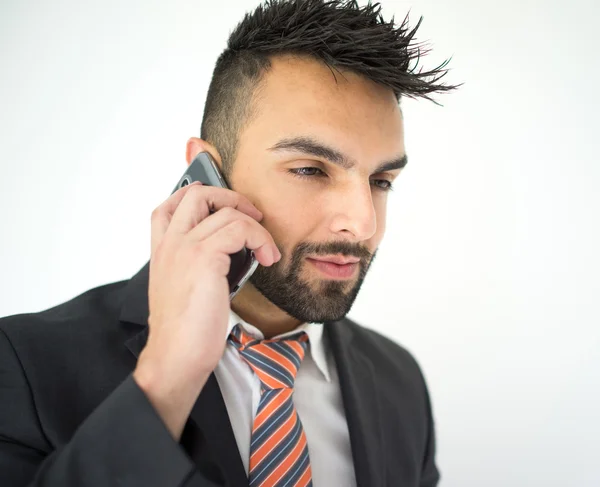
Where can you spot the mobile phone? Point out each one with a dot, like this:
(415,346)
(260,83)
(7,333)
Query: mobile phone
(243,263)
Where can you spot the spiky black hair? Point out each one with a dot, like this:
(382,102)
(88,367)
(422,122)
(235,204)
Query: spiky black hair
(340,33)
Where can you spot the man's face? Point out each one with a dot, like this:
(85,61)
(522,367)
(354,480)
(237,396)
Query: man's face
(327,208)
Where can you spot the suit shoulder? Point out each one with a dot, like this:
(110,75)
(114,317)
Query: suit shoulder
(82,310)
(384,352)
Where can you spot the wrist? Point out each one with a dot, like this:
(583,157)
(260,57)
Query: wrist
(163,378)
(171,394)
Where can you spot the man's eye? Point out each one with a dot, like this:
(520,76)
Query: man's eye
(305,171)
(310,172)
(385,184)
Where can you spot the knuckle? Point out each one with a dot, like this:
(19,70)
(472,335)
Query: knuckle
(241,198)
(194,191)
(229,212)
(199,249)
(240,226)
(203,252)
(156,213)
(211,259)
(221,262)
(166,244)
(160,250)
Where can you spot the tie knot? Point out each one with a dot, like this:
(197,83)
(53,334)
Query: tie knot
(274,361)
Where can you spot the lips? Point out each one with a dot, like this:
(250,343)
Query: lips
(337,260)
(333,270)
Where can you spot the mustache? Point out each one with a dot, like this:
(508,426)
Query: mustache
(346,249)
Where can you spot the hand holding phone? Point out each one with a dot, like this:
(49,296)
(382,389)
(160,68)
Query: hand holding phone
(243,263)
(189,292)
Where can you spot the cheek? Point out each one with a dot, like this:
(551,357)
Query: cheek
(288,207)
(287,222)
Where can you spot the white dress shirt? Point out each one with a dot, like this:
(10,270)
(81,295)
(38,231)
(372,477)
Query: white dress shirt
(317,398)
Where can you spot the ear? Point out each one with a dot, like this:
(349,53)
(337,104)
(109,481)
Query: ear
(195,145)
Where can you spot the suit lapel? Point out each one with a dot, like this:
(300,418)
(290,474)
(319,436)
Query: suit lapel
(213,434)
(208,436)
(361,404)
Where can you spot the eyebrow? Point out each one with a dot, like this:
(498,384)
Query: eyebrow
(311,146)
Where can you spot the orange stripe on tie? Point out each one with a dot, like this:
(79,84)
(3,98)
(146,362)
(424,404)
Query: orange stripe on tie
(274,440)
(271,408)
(278,357)
(287,463)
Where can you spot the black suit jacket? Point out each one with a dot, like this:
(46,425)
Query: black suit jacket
(72,416)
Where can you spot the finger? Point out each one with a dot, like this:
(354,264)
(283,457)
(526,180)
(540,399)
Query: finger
(199,202)
(161,216)
(216,221)
(239,234)
(213,223)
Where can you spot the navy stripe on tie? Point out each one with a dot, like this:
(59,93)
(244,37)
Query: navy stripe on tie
(270,367)
(266,398)
(276,453)
(288,352)
(296,471)
(280,417)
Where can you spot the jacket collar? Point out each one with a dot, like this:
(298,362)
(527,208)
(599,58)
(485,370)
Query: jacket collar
(208,437)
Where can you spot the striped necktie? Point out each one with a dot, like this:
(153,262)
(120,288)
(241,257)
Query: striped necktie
(278,448)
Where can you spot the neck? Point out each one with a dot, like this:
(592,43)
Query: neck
(250,305)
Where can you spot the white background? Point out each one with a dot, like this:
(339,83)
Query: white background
(489,270)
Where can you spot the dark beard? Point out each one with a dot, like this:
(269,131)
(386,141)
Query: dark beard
(327,300)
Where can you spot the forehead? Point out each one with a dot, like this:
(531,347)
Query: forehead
(301,96)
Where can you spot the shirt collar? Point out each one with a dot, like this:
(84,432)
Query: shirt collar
(313,330)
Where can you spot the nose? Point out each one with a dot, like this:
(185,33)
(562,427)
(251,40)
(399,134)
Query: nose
(354,212)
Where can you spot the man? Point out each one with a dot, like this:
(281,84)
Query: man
(159,380)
